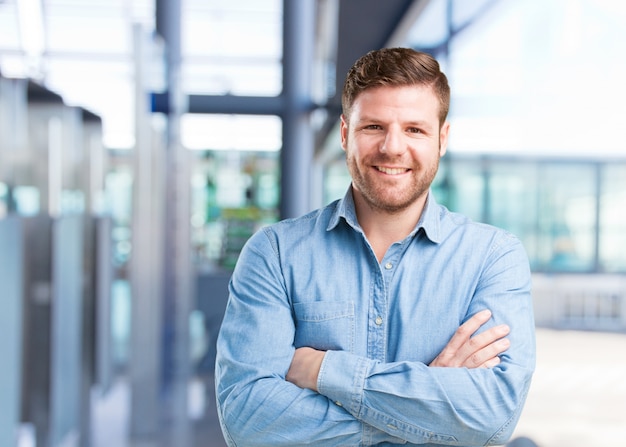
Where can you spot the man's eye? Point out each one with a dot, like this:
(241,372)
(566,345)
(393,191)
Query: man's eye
(373,127)
(414,130)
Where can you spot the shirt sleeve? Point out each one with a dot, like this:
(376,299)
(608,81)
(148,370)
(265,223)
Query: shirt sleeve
(256,405)
(452,406)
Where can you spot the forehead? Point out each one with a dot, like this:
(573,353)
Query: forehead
(408,101)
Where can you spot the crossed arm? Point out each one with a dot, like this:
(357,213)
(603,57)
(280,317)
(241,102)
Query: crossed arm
(463,350)
(272,394)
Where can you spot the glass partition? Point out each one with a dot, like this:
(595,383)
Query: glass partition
(568,213)
(566,217)
(464,186)
(612,234)
(513,194)
(233,194)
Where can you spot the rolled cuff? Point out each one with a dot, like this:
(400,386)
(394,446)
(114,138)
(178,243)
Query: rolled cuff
(342,379)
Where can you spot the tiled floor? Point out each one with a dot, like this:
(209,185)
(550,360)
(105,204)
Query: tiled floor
(578,395)
(578,399)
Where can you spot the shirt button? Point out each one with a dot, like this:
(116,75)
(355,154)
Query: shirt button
(379,321)
(338,404)
(388,265)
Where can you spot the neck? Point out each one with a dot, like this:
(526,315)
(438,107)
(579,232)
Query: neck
(382,228)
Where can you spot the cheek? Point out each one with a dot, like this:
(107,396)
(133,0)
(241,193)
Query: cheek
(363,146)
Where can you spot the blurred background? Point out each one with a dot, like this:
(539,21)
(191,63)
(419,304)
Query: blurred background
(142,142)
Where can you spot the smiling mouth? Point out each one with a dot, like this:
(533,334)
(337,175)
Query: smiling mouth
(391,171)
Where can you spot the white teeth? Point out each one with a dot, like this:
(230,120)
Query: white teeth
(391,171)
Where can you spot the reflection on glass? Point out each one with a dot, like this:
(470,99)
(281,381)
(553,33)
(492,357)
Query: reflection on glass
(27,200)
(4,200)
(612,238)
(234,193)
(513,198)
(466,189)
(567,217)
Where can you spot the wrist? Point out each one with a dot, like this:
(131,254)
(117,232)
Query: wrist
(305,367)
(314,364)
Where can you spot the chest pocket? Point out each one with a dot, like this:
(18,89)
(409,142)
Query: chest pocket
(325,325)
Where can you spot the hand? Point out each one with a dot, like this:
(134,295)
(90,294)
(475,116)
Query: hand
(480,351)
(305,367)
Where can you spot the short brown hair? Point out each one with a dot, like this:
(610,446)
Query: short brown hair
(395,67)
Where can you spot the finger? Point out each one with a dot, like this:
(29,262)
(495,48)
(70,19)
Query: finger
(466,330)
(475,351)
(453,353)
(491,363)
(488,354)
(486,338)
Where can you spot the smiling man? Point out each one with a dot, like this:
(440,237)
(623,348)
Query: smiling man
(383,318)
(393,141)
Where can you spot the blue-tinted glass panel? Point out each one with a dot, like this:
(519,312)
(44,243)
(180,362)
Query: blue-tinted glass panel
(612,235)
(513,200)
(466,183)
(566,217)
(336,181)
(233,194)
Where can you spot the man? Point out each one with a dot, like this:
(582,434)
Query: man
(383,318)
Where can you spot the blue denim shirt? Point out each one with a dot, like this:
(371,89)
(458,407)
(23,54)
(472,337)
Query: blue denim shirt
(315,281)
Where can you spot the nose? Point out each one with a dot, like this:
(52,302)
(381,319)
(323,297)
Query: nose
(394,142)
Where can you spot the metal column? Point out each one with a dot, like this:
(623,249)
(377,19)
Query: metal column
(12,280)
(145,262)
(177,268)
(298,137)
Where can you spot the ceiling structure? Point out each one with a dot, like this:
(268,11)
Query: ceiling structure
(83,49)
(231,51)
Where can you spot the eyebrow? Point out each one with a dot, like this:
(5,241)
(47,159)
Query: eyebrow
(419,123)
(413,123)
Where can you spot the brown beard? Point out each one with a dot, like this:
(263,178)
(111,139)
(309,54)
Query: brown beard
(376,195)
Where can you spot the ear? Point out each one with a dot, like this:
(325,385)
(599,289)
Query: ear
(343,130)
(443,138)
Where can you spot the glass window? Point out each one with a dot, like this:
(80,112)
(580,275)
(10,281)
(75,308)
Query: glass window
(119,196)
(440,185)
(4,200)
(551,206)
(566,217)
(612,237)
(336,180)
(234,193)
(466,183)
(515,72)
(231,132)
(513,200)
(232,47)
(27,200)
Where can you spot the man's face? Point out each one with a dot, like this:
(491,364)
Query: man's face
(393,143)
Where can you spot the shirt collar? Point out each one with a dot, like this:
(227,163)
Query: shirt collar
(345,208)
(429,220)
